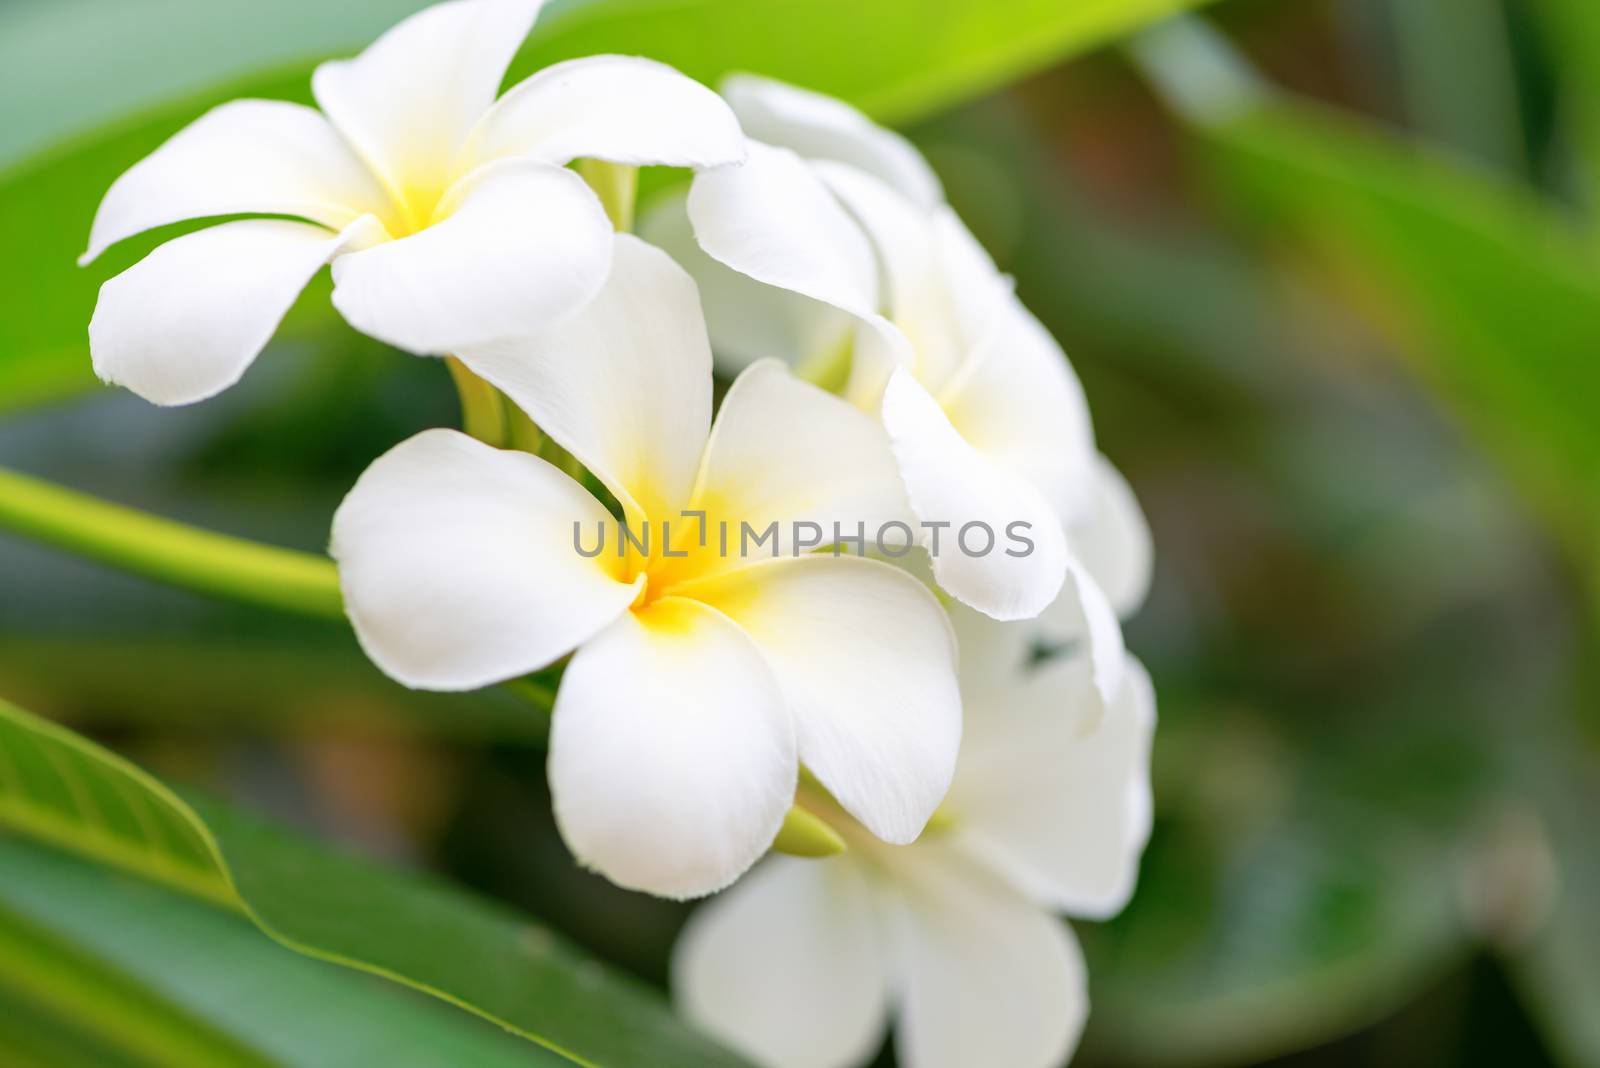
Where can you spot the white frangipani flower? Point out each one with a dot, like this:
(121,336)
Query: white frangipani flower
(803,962)
(700,678)
(449,216)
(840,240)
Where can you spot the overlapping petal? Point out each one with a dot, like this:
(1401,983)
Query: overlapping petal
(186,321)
(408,102)
(525,246)
(788,966)
(246,157)
(1053,794)
(824,128)
(951,483)
(624,385)
(772,218)
(672,754)
(987,976)
(1114,540)
(784,452)
(1018,402)
(940,288)
(458,563)
(748,320)
(619,108)
(866,661)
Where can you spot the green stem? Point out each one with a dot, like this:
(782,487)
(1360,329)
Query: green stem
(169,551)
(617,186)
(483,412)
(188,557)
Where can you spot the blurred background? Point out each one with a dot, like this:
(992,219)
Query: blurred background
(1342,332)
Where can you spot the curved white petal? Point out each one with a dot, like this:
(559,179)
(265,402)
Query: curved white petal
(783,451)
(1054,794)
(624,385)
(988,977)
(866,660)
(748,320)
(185,322)
(619,108)
(1081,619)
(788,966)
(262,157)
(672,757)
(458,566)
(408,102)
(941,289)
(822,127)
(1114,540)
(1018,402)
(951,483)
(526,246)
(772,218)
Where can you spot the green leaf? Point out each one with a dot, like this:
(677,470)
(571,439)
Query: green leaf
(64,790)
(899,58)
(1490,293)
(1573,32)
(171,982)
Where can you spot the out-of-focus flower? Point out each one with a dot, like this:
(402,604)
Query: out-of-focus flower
(449,217)
(701,676)
(802,963)
(832,246)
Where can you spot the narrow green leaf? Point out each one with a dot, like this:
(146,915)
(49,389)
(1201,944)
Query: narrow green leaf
(174,983)
(58,976)
(66,791)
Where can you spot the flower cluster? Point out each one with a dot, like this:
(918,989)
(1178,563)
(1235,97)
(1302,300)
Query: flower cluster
(713,701)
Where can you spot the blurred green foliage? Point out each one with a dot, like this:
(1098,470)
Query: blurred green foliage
(1344,342)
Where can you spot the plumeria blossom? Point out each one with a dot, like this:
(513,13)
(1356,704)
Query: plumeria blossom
(802,964)
(449,217)
(834,238)
(699,679)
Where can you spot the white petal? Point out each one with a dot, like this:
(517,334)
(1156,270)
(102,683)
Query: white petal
(1114,540)
(619,108)
(1082,619)
(783,451)
(1051,792)
(672,757)
(989,978)
(822,127)
(408,102)
(624,385)
(458,565)
(941,289)
(788,966)
(748,320)
(949,482)
(866,659)
(1018,402)
(526,246)
(185,322)
(262,157)
(772,218)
